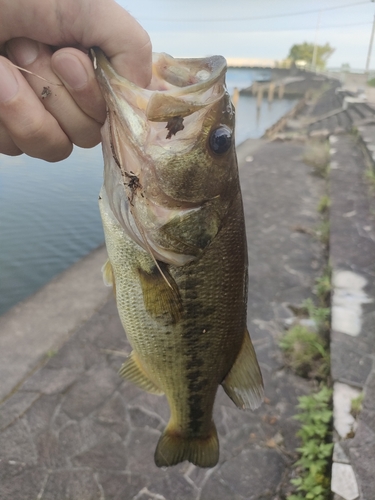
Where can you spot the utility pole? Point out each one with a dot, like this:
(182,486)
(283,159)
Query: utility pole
(370,46)
(315,52)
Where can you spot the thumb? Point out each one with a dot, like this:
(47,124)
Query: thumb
(122,39)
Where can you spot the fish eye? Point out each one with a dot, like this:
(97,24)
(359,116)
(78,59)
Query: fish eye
(220,140)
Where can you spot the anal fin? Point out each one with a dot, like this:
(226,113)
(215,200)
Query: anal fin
(133,371)
(244,383)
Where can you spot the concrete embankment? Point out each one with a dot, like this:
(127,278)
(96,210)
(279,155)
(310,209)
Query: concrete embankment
(47,319)
(348,122)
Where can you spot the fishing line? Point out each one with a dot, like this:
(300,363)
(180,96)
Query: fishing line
(116,148)
(37,76)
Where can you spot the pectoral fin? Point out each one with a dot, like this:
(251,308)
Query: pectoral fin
(161,300)
(133,371)
(108,274)
(244,384)
(108,277)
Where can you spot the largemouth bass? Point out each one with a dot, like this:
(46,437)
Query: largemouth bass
(174,227)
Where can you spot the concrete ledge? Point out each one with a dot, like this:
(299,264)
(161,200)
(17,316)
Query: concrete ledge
(352,256)
(246,149)
(46,320)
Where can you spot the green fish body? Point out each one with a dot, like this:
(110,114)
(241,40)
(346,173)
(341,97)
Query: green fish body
(173,219)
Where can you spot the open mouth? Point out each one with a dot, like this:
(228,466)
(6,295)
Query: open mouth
(179,87)
(147,140)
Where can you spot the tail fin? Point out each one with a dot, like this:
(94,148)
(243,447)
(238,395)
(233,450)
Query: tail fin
(173,448)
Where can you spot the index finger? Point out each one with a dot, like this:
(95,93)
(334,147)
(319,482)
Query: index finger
(84,24)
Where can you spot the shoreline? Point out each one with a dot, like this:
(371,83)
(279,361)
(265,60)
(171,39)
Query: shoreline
(44,321)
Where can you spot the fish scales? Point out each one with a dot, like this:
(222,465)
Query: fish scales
(175,234)
(204,313)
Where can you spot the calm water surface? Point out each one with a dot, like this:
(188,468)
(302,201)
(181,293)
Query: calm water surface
(49,217)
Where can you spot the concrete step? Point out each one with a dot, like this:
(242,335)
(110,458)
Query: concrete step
(352,256)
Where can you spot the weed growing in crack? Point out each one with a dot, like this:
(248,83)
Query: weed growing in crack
(306,352)
(51,353)
(323,286)
(312,468)
(370,177)
(322,232)
(356,405)
(324,204)
(320,315)
(317,156)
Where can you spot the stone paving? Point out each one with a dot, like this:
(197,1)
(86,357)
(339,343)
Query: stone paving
(74,430)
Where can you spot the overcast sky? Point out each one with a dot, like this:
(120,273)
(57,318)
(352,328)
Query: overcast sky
(195,28)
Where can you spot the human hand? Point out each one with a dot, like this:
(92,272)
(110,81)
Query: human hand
(73,110)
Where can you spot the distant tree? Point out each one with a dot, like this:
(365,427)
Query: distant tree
(345,67)
(305,51)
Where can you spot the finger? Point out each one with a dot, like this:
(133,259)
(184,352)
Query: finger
(36,57)
(86,23)
(7,146)
(76,71)
(33,130)
(122,39)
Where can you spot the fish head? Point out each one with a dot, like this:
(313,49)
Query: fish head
(170,162)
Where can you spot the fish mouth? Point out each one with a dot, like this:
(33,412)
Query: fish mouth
(178,89)
(178,86)
(144,125)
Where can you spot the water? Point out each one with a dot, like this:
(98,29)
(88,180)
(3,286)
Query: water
(49,216)
(249,122)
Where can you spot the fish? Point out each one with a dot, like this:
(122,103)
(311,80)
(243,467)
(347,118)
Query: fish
(173,220)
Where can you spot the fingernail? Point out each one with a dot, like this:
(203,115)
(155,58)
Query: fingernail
(8,83)
(70,69)
(23,51)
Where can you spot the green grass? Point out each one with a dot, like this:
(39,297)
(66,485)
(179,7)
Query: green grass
(321,315)
(315,416)
(370,177)
(323,287)
(322,232)
(317,156)
(356,405)
(306,352)
(324,204)
(51,353)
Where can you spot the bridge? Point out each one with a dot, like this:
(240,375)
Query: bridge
(250,62)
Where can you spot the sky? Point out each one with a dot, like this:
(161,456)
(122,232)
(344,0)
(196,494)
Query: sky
(262,29)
